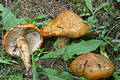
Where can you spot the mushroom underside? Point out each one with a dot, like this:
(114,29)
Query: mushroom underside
(32,38)
(22,42)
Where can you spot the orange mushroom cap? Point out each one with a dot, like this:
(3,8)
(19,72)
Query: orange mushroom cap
(67,23)
(32,34)
(92,66)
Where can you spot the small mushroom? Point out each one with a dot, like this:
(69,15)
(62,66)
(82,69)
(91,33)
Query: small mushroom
(22,41)
(67,24)
(92,66)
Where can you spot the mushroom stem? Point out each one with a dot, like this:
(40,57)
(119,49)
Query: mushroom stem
(62,41)
(24,52)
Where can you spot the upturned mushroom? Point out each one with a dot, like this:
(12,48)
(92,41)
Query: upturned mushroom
(66,25)
(92,66)
(22,41)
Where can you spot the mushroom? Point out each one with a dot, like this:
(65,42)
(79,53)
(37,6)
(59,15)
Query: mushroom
(22,41)
(92,66)
(67,24)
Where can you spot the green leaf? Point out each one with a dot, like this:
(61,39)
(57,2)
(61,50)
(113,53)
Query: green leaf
(83,78)
(116,40)
(116,47)
(54,75)
(34,67)
(102,51)
(81,48)
(91,21)
(1,7)
(22,20)
(116,74)
(17,76)
(101,27)
(101,6)
(103,33)
(89,5)
(68,52)
(41,23)
(118,0)
(84,14)
(9,19)
(40,16)
(55,54)
(4,61)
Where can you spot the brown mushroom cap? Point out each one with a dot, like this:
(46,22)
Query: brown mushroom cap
(67,23)
(31,33)
(92,66)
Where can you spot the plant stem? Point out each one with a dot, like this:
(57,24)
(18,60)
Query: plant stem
(34,68)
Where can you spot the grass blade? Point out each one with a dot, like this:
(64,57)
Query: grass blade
(4,61)
(89,5)
(100,7)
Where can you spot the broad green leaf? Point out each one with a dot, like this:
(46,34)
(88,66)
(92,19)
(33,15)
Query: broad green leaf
(89,5)
(68,52)
(8,19)
(81,48)
(101,6)
(54,75)
(55,54)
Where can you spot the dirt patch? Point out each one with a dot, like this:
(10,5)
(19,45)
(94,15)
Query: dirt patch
(49,7)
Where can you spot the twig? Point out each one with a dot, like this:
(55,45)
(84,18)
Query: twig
(112,29)
(76,78)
